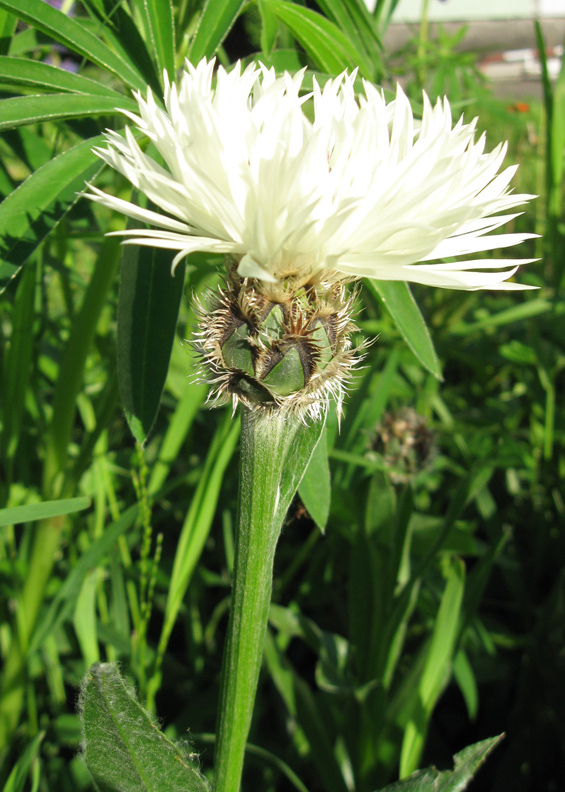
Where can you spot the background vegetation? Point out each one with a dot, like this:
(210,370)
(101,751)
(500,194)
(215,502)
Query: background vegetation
(429,613)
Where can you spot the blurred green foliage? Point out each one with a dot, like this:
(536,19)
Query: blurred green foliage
(430,614)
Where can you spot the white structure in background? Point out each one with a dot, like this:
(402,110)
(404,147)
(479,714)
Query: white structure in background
(502,30)
(465,11)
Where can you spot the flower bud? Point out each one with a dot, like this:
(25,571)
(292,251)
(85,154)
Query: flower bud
(283,348)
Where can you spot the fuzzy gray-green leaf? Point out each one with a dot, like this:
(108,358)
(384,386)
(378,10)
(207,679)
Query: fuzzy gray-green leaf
(466,762)
(123,749)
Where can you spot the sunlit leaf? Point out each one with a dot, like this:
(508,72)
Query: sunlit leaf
(74,36)
(31,212)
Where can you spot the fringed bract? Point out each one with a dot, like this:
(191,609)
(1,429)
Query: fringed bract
(278,348)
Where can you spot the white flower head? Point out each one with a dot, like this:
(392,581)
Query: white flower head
(353,188)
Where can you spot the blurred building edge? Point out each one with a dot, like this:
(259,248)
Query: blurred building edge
(500,32)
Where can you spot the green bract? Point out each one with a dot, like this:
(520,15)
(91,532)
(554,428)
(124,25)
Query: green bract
(278,347)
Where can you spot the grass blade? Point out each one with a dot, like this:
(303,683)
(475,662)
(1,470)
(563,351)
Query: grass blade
(198,521)
(64,601)
(42,511)
(437,666)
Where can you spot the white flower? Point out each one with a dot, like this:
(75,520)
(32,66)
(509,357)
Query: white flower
(345,189)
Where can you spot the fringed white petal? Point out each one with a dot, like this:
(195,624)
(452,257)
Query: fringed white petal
(361,189)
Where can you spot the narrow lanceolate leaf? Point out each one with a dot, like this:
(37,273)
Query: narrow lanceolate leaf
(298,450)
(321,38)
(159,14)
(17,779)
(315,487)
(8,23)
(466,764)
(398,300)
(74,36)
(123,749)
(31,212)
(214,25)
(198,522)
(34,74)
(64,602)
(269,27)
(147,316)
(437,668)
(42,511)
(21,110)
(353,18)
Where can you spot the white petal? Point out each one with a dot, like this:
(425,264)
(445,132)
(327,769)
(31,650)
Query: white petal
(249,268)
(353,186)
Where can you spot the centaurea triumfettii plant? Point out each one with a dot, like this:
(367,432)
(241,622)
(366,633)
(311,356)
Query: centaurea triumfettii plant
(300,203)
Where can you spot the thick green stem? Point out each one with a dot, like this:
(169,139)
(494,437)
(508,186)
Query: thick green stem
(275,451)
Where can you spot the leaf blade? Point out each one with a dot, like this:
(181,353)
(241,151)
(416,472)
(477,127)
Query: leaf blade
(31,211)
(315,487)
(20,110)
(124,750)
(354,20)
(29,73)
(148,306)
(74,36)
(398,300)
(42,511)
(216,21)
(159,14)
(320,37)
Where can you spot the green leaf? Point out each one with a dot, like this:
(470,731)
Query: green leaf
(121,33)
(397,298)
(84,618)
(383,12)
(302,706)
(216,21)
(42,511)
(8,24)
(466,764)
(123,748)
(17,778)
(21,110)
(159,14)
(31,212)
(467,682)
(437,667)
(516,313)
(321,38)
(34,74)
(64,602)
(269,27)
(74,36)
(353,18)
(148,307)
(315,487)
(297,456)
(198,522)
(17,364)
